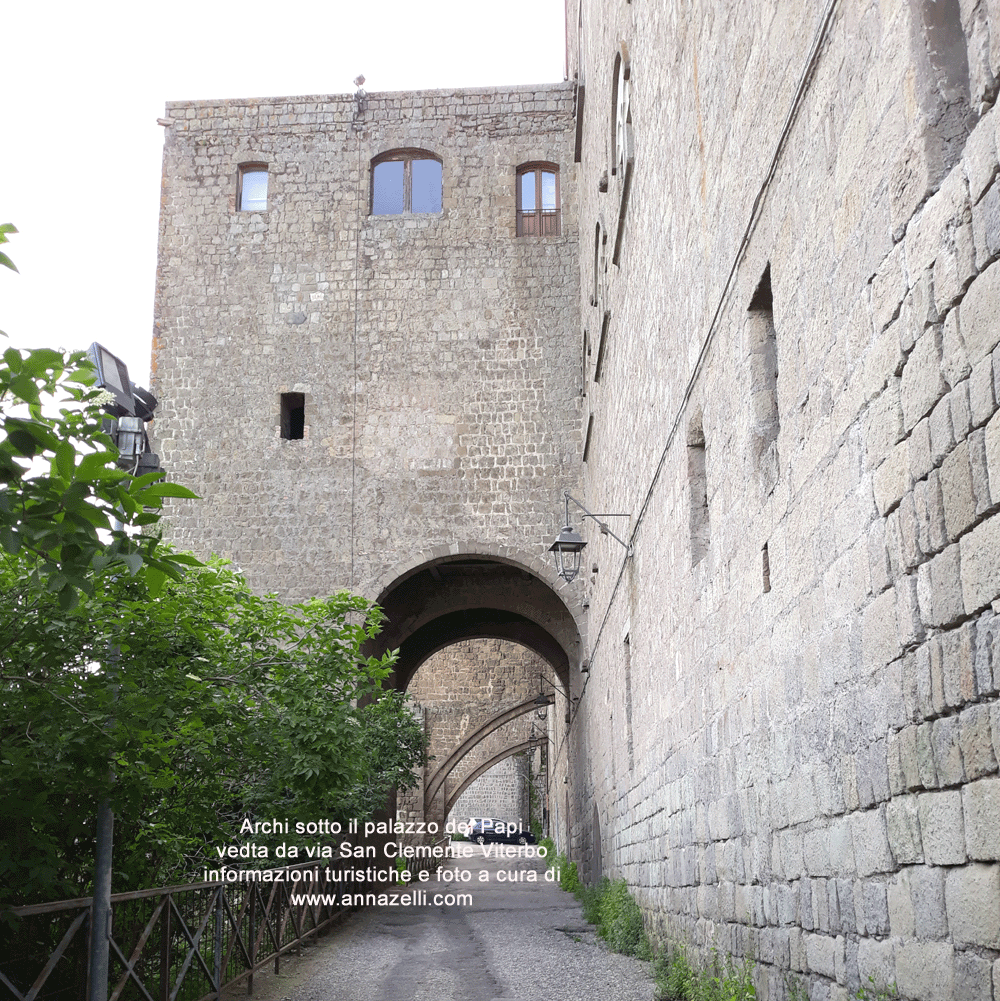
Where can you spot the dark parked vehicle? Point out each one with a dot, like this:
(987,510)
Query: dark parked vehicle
(486,830)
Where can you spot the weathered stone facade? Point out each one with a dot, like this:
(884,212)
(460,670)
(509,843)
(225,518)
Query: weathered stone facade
(769,333)
(441,405)
(501,793)
(791,713)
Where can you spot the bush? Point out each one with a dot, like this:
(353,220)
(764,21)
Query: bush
(610,906)
(621,920)
(590,901)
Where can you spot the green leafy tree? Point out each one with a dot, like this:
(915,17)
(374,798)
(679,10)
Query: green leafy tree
(393,743)
(79,517)
(134,672)
(61,490)
(210,702)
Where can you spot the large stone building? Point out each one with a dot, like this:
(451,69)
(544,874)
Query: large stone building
(738,279)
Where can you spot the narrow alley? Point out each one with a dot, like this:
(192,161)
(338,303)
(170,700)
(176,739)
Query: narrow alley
(518,941)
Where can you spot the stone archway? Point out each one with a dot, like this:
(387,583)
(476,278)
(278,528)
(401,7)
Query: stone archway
(471,594)
(507,752)
(456,599)
(442,771)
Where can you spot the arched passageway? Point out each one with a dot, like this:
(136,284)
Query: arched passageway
(460,616)
(453,797)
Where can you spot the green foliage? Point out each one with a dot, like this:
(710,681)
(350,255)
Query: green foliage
(610,906)
(590,901)
(6,228)
(795,990)
(392,744)
(131,671)
(621,922)
(876,992)
(720,978)
(61,490)
(569,879)
(676,976)
(210,703)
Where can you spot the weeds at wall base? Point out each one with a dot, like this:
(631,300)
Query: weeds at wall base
(610,907)
(679,977)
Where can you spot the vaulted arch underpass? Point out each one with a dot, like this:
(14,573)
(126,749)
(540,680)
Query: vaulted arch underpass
(478,638)
(492,723)
(525,745)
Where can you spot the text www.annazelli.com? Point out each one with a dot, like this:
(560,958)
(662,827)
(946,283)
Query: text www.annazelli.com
(414,898)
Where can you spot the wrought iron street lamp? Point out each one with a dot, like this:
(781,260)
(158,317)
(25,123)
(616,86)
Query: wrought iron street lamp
(569,544)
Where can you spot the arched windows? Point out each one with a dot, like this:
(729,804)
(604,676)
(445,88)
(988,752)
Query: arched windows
(406,180)
(538,199)
(621,111)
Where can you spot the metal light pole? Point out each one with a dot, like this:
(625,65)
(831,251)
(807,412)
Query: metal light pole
(131,408)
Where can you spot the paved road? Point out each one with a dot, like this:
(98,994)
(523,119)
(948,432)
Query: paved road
(520,941)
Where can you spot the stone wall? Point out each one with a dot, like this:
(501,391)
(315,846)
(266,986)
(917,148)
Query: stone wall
(789,733)
(502,793)
(434,351)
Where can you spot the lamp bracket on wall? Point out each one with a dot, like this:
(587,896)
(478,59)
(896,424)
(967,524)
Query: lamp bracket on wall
(569,543)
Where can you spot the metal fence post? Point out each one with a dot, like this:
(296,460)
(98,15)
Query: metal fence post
(100,922)
(252,937)
(165,950)
(217,965)
(277,916)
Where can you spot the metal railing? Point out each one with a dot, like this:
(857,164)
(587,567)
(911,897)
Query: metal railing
(174,943)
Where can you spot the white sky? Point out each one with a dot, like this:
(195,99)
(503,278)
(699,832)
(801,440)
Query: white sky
(83,84)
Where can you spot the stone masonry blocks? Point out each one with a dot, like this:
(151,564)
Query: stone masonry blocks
(981,806)
(796,749)
(972,895)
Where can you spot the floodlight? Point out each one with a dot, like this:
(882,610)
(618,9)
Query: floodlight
(112,375)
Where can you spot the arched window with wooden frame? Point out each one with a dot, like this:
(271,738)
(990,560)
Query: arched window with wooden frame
(538,199)
(406,180)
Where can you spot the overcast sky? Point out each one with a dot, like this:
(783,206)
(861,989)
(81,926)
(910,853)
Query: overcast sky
(83,84)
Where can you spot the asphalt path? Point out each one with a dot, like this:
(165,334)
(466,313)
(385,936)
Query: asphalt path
(518,940)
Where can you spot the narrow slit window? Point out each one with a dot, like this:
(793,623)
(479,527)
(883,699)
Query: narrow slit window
(251,194)
(762,344)
(698,491)
(766,568)
(628,702)
(293,416)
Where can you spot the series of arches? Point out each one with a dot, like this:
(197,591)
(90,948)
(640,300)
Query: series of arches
(441,600)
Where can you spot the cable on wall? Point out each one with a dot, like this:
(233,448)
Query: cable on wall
(819,39)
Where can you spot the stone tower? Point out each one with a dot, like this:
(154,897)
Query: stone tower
(764,328)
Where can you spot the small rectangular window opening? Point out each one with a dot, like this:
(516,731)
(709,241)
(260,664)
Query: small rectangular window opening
(766,567)
(251,195)
(293,416)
